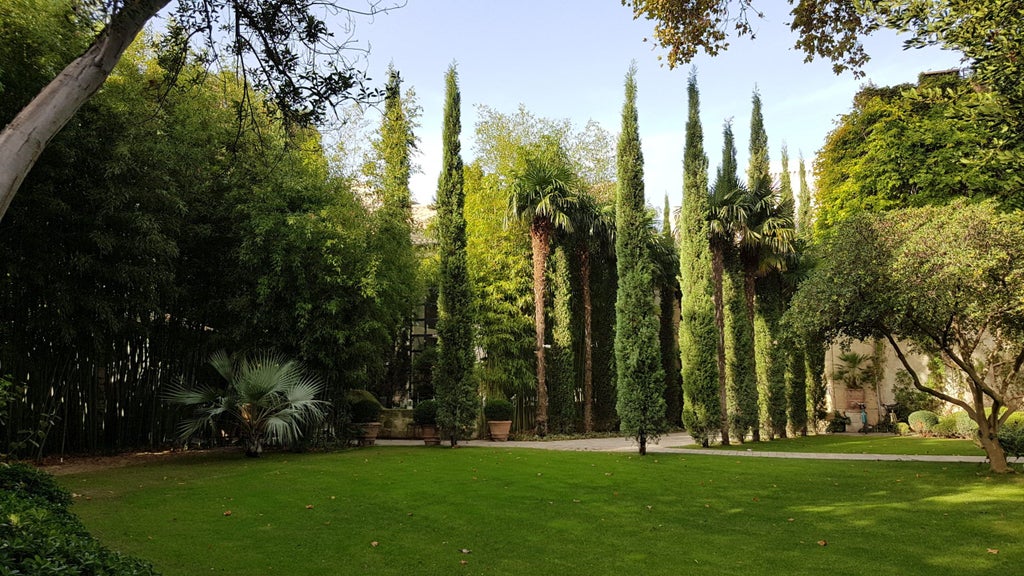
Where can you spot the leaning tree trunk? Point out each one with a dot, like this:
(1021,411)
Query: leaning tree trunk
(24,139)
(588,353)
(717,271)
(540,235)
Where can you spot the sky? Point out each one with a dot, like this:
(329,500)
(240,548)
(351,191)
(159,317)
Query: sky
(568,59)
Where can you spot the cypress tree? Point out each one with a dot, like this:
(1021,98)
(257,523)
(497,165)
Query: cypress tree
(561,384)
(453,373)
(796,373)
(741,375)
(697,336)
(669,318)
(641,380)
(397,266)
(814,346)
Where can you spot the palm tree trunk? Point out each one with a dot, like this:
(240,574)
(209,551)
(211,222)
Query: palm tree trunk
(717,271)
(540,235)
(588,353)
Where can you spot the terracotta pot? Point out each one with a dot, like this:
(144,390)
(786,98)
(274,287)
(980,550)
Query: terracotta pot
(368,432)
(499,429)
(430,437)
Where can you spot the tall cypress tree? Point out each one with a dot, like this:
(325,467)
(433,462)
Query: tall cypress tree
(697,337)
(814,346)
(668,301)
(453,373)
(796,372)
(561,381)
(396,269)
(741,375)
(641,381)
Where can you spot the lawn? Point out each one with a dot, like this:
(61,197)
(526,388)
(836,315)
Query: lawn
(862,444)
(418,510)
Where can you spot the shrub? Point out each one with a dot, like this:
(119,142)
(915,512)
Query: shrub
(498,410)
(40,536)
(966,427)
(27,482)
(909,399)
(922,421)
(945,427)
(1011,435)
(903,429)
(425,413)
(364,406)
(837,422)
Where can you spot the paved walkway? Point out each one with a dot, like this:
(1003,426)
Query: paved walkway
(666,443)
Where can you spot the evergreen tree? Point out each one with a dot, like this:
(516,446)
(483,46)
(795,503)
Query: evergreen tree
(641,381)
(805,219)
(814,346)
(668,290)
(738,331)
(562,384)
(453,373)
(396,264)
(697,335)
(796,373)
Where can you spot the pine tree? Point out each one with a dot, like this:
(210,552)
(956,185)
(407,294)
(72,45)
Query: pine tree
(697,322)
(641,381)
(453,373)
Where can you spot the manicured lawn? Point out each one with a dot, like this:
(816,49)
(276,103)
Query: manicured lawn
(413,510)
(863,444)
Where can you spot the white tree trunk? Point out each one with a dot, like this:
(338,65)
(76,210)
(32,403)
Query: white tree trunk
(23,140)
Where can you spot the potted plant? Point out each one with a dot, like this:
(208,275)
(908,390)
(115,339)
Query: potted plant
(499,418)
(365,410)
(425,416)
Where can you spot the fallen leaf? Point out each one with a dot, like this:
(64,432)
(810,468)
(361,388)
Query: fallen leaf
(463,562)
(465,550)
(374,543)
(822,543)
(227,512)
(993,551)
(756,499)
(790,519)
(309,506)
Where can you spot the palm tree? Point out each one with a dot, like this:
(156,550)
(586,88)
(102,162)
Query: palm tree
(594,228)
(725,210)
(544,194)
(855,371)
(267,399)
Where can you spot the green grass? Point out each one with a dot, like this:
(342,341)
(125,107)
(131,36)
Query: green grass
(863,444)
(528,512)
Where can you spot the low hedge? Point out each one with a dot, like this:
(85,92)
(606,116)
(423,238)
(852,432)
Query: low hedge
(38,535)
(1011,435)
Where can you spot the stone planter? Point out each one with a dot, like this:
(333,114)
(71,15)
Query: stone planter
(368,432)
(499,429)
(430,437)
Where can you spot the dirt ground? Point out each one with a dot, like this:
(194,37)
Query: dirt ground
(75,464)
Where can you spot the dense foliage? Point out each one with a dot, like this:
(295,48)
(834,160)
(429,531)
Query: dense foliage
(943,281)
(697,333)
(641,380)
(41,536)
(454,383)
(165,223)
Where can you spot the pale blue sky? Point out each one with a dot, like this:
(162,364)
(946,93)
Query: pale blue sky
(567,59)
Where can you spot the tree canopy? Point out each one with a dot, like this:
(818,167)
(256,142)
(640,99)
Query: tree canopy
(944,281)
